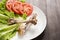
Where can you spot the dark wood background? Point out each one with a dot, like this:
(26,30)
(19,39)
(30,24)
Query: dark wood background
(51,8)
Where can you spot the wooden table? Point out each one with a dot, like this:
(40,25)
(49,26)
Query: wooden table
(52,10)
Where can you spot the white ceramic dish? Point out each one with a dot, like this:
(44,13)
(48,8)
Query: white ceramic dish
(36,30)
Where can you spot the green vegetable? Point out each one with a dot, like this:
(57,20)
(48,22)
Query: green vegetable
(3,21)
(9,14)
(12,34)
(2,25)
(4,1)
(8,33)
(4,17)
(3,33)
(2,5)
(16,15)
(4,11)
(1,12)
(22,0)
(5,37)
(7,28)
(24,16)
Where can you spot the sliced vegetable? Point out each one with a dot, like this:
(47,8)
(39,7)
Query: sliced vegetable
(17,7)
(9,4)
(28,8)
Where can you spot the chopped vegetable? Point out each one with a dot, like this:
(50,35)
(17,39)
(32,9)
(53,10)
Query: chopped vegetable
(24,16)
(23,1)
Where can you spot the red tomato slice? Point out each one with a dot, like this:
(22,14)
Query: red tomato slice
(9,4)
(28,8)
(11,1)
(17,7)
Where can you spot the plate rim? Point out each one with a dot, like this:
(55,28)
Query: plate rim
(45,20)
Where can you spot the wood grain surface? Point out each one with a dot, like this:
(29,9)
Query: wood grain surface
(51,8)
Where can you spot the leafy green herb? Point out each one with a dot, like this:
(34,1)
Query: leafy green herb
(24,16)
(22,0)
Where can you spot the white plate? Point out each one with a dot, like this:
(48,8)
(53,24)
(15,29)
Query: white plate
(36,30)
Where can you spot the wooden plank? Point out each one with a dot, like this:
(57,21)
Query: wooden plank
(43,5)
(53,22)
(58,17)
